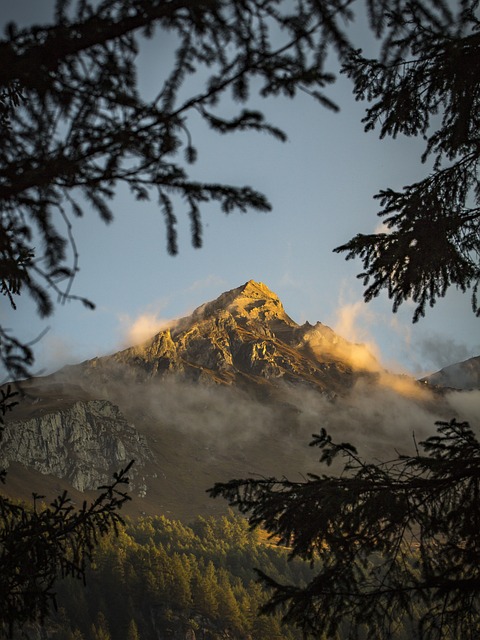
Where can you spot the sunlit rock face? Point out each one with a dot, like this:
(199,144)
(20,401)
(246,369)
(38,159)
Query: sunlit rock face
(244,337)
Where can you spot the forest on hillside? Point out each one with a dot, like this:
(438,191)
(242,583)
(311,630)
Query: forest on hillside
(162,579)
(159,579)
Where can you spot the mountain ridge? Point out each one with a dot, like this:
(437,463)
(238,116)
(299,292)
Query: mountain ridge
(235,388)
(459,375)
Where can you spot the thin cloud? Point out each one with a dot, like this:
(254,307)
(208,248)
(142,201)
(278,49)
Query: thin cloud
(355,321)
(351,322)
(440,351)
(135,331)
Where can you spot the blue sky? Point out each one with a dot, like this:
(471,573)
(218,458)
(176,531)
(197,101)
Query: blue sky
(321,185)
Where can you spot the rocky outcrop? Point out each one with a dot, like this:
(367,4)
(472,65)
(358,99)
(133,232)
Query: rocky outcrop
(243,337)
(83,444)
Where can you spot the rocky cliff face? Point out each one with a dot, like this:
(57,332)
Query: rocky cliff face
(83,443)
(244,337)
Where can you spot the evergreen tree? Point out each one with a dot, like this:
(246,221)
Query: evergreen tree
(205,591)
(100,629)
(228,609)
(179,592)
(425,83)
(395,546)
(132,633)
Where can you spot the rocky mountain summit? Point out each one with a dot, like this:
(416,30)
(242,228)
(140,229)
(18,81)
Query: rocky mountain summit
(243,338)
(235,389)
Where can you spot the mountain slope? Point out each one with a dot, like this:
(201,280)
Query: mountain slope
(233,390)
(461,375)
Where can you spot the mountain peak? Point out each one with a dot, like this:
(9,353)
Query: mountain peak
(255,289)
(251,290)
(252,299)
(242,337)
(252,295)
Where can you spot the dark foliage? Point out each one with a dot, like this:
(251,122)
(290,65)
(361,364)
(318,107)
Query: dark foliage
(425,84)
(39,543)
(395,545)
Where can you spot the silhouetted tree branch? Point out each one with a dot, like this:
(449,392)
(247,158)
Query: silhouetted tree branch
(425,84)
(75,125)
(39,543)
(396,545)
